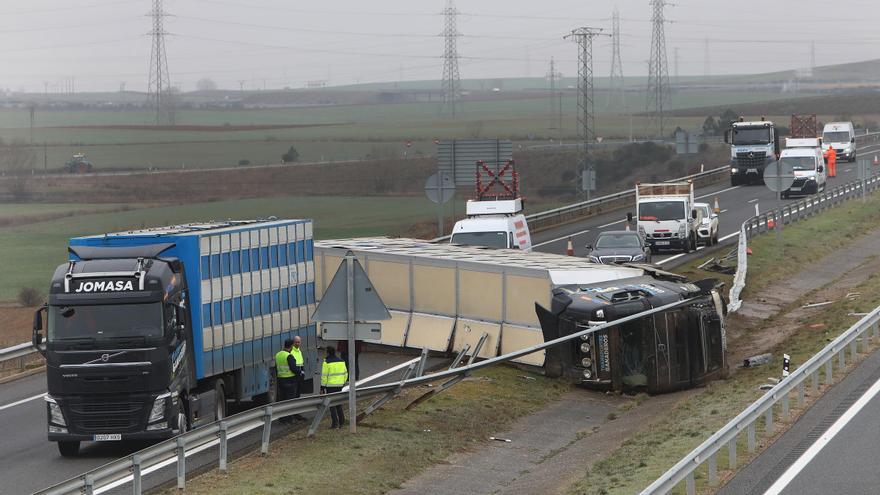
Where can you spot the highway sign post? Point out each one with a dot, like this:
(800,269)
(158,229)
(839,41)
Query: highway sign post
(349,302)
(440,188)
(779,177)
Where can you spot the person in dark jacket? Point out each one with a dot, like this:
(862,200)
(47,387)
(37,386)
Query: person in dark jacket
(342,350)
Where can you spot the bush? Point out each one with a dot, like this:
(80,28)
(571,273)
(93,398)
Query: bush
(291,156)
(29,297)
(244,163)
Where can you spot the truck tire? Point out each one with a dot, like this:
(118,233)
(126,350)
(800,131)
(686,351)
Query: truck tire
(68,449)
(687,245)
(734,181)
(219,401)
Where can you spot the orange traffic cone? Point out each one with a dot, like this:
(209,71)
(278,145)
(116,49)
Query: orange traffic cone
(717,206)
(771,224)
(876,162)
(569,250)
(748,250)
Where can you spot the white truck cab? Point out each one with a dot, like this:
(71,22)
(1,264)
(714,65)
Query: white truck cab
(493,223)
(842,137)
(806,160)
(666,215)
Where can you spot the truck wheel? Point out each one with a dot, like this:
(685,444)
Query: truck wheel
(734,181)
(68,449)
(687,245)
(219,401)
(182,423)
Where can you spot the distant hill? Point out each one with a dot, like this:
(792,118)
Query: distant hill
(853,104)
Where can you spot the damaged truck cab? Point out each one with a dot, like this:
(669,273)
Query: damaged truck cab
(676,349)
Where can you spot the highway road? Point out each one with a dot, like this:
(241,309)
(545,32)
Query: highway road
(833,448)
(29,462)
(737,205)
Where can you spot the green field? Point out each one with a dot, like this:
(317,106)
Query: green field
(358,130)
(31,252)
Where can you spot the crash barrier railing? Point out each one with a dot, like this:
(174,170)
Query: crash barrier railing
(789,213)
(132,468)
(776,403)
(21,352)
(566,214)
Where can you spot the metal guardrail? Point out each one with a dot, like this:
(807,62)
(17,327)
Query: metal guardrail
(23,352)
(131,468)
(864,331)
(566,214)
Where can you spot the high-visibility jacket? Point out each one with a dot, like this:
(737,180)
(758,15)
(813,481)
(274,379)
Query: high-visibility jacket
(281,365)
(297,355)
(333,373)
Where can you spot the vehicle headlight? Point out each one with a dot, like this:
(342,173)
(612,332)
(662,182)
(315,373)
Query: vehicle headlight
(585,337)
(600,313)
(57,429)
(593,259)
(585,347)
(734,170)
(639,257)
(681,229)
(55,414)
(588,374)
(158,426)
(586,362)
(157,413)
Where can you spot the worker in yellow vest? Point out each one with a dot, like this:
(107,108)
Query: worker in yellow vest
(334,374)
(285,375)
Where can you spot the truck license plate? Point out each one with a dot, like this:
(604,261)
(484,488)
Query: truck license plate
(107,437)
(662,243)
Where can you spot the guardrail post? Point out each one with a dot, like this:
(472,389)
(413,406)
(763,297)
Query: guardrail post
(224,446)
(267,431)
(136,488)
(768,421)
(801,394)
(785,406)
(690,484)
(181,463)
(423,359)
(713,468)
(731,453)
(89,485)
(829,371)
(752,444)
(816,382)
(854,349)
(319,415)
(841,358)
(876,330)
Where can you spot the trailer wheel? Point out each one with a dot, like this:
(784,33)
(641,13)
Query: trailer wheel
(219,401)
(68,449)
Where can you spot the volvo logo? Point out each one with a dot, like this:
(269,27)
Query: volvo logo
(105,357)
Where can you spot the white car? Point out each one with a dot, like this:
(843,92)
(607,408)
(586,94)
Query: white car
(707,227)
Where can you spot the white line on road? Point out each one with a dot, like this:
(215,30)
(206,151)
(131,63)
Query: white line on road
(22,401)
(791,473)
(718,192)
(753,200)
(612,223)
(698,249)
(722,211)
(551,241)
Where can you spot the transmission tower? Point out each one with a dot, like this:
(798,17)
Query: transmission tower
(616,93)
(159,87)
(555,78)
(658,69)
(812,59)
(586,119)
(451,76)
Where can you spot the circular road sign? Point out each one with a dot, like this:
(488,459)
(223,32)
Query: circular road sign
(778,177)
(439,187)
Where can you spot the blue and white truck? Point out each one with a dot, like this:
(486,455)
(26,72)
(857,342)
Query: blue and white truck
(151,332)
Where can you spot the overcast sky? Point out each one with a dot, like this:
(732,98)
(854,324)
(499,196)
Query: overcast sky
(278,43)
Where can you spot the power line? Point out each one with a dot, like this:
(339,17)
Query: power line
(658,69)
(706,68)
(159,85)
(451,77)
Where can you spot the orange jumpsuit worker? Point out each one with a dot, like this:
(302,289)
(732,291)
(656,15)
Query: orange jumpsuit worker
(832,162)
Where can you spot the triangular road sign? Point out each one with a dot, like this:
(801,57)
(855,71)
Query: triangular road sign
(368,306)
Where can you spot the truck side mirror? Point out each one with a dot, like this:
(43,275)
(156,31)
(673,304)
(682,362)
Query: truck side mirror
(37,336)
(727,136)
(694,214)
(821,169)
(629,217)
(853,140)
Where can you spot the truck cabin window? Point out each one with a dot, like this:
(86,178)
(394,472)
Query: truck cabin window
(661,210)
(758,135)
(800,162)
(835,137)
(488,239)
(105,322)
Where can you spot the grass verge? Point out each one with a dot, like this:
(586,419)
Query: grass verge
(392,445)
(645,456)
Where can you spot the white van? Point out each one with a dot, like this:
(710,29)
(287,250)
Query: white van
(497,224)
(842,137)
(805,158)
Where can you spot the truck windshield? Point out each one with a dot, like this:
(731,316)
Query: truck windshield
(488,239)
(835,137)
(755,135)
(799,162)
(103,322)
(662,210)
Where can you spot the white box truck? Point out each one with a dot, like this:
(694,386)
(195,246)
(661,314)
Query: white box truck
(497,224)
(842,137)
(666,216)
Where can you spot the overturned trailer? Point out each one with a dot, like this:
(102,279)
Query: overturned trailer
(445,297)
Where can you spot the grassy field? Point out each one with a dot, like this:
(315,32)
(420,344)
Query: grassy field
(31,252)
(392,445)
(357,130)
(647,455)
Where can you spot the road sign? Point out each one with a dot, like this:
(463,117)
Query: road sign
(457,156)
(778,177)
(362,331)
(440,187)
(368,306)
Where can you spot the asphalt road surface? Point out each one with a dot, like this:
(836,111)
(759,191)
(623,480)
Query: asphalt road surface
(29,462)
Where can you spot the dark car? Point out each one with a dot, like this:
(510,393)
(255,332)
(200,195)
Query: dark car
(619,246)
